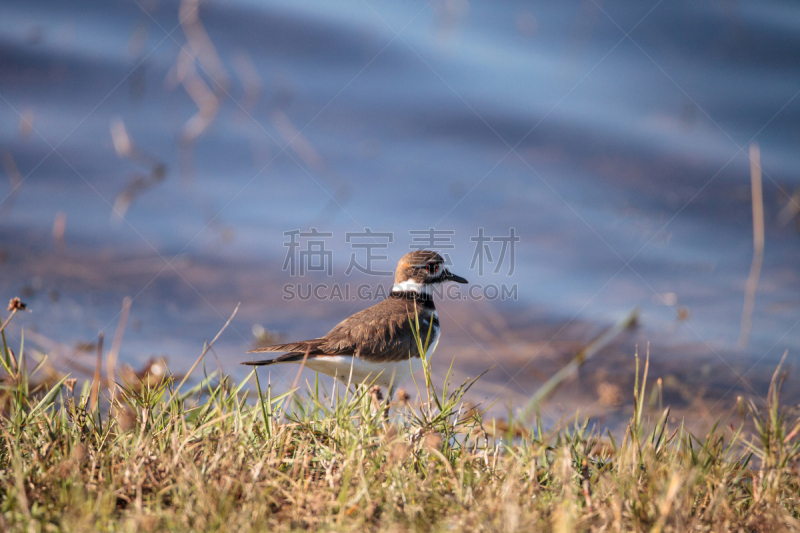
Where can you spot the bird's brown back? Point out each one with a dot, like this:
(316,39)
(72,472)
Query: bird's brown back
(382,332)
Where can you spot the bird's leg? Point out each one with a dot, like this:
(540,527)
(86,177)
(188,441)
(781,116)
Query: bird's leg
(389,396)
(377,398)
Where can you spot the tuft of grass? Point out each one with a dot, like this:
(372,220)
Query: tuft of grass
(219,456)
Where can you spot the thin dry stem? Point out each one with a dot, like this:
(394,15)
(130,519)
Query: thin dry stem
(758,246)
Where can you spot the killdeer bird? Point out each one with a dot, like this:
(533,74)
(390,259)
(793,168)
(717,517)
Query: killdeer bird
(377,345)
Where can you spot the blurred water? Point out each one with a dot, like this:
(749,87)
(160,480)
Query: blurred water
(629,183)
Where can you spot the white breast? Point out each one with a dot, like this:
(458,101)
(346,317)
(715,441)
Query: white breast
(434,340)
(354,370)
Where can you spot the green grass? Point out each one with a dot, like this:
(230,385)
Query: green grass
(222,456)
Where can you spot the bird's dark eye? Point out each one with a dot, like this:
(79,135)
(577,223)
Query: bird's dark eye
(432,268)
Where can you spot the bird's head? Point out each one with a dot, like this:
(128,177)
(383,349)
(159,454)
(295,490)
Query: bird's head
(419,271)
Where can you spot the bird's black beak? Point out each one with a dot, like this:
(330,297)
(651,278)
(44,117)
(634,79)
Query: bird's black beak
(449,276)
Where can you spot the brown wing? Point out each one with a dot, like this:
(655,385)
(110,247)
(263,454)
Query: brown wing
(380,333)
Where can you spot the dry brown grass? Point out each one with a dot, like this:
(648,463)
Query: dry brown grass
(219,457)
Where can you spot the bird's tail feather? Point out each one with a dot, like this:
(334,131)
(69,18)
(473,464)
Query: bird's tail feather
(310,346)
(285,358)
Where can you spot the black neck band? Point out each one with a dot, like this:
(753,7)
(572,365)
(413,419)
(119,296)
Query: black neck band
(412,295)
